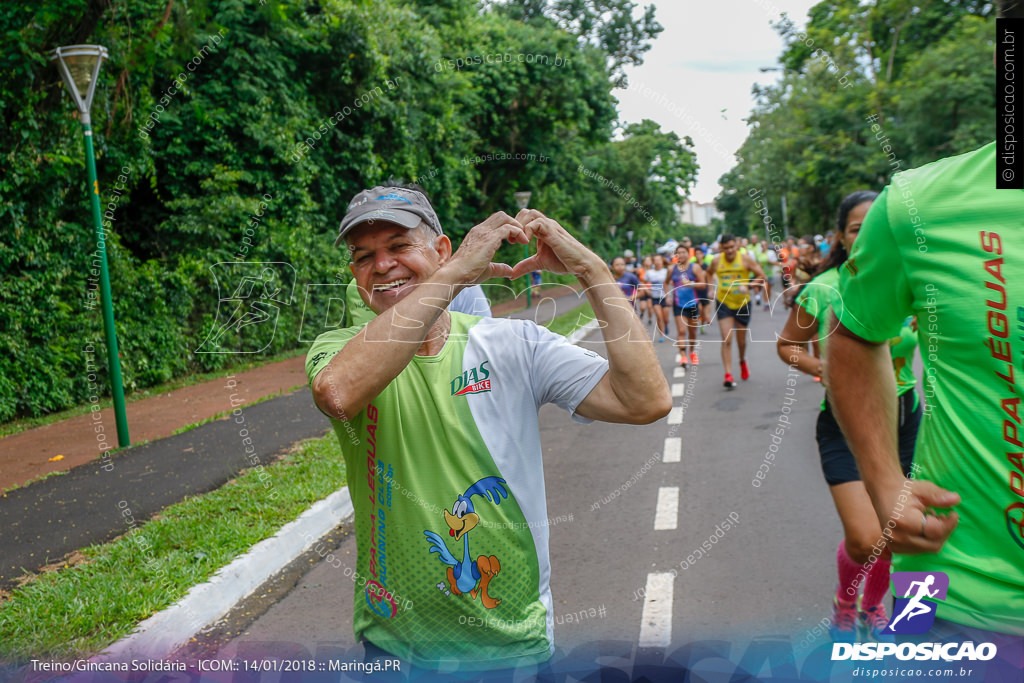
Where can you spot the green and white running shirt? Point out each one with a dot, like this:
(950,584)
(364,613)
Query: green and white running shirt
(446,476)
(356,310)
(817,298)
(943,244)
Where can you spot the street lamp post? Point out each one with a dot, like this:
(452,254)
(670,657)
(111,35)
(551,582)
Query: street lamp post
(612,229)
(79,66)
(585,222)
(523,201)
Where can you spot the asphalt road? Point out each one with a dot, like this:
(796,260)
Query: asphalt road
(769,576)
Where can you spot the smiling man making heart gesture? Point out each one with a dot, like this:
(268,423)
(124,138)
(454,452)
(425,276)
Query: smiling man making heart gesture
(437,411)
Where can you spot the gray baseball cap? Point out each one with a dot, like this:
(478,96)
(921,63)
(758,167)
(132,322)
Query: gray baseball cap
(391,204)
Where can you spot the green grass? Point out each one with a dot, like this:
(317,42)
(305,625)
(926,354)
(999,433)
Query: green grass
(569,322)
(79,610)
(27,423)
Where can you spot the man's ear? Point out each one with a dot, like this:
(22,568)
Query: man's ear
(443,245)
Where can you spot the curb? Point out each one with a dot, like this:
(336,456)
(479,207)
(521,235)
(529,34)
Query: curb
(166,631)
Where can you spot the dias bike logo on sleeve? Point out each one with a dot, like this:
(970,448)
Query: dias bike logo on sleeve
(915,597)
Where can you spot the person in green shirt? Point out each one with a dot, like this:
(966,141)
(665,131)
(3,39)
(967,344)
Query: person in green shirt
(862,559)
(943,244)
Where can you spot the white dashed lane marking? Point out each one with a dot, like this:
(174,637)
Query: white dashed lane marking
(667,513)
(656,622)
(673,449)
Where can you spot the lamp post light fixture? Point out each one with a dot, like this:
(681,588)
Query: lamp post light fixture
(585,222)
(79,67)
(522,202)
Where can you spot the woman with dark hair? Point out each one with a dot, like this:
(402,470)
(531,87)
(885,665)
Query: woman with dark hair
(862,556)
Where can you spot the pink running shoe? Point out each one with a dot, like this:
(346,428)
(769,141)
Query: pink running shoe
(875,620)
(844,628)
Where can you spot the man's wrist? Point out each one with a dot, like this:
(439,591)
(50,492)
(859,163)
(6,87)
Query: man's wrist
(594,272)
(450,275)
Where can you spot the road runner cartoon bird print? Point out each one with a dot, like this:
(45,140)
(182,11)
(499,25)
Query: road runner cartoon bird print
(464,574)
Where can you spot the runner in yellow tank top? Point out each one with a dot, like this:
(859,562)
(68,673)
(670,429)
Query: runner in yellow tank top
(733,281)
(732,297)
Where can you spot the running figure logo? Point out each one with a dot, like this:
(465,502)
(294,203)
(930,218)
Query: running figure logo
(916,595)
(250,295)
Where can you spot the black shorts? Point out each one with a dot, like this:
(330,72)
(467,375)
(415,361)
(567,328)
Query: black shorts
(661,301)
(837,461)
(691,310)
(742,314)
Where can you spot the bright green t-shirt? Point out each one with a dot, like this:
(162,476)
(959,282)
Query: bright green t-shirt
(356,310)
(445,472)
(943,244)
(818,297)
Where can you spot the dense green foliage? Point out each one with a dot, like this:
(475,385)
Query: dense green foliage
(238,123)
(922,69)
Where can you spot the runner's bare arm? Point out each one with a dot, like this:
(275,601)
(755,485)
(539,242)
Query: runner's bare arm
(754,267)
(801,327)
(862,391)
(702,278)
(381,350)
(634,390)
(712,269)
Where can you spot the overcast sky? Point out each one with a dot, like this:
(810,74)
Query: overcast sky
(696,78)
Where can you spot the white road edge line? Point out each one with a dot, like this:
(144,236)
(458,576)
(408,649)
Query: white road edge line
(673,449)
(678,390)
(656,621)
(678,373)
(666,516)
(675,416)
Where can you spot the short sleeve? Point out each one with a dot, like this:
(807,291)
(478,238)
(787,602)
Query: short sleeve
(325,347)
(874,294)
(471,301)
(560,372)
(818,294)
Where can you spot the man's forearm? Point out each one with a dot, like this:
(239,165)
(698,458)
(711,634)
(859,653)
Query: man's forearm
(862,391)
(379,353)
(632,364)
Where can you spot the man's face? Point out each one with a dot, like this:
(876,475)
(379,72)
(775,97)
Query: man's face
(389,261)
(729,249)
(619,266)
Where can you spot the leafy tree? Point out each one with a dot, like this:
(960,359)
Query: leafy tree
(921,70)
(609,25)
